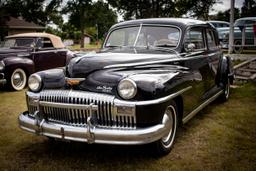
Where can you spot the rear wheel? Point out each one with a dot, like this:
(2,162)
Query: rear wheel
(165,144)
(18,79)
(226,91)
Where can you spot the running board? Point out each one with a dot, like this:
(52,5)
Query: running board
(195,111)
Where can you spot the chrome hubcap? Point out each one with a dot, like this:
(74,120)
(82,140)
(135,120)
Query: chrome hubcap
(227,89)
(18,79)
(169,120)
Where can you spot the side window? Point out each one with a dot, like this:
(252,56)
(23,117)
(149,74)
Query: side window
(211,40)
(195,36)
(46,43)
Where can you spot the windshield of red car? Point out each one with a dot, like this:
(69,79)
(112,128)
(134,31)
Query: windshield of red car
(19,42)
(144,36)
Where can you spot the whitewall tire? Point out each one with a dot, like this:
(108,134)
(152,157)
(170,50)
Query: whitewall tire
(18,79)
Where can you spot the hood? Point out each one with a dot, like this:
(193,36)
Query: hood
(151,80)
(9,52)
(103,71)
(83,66)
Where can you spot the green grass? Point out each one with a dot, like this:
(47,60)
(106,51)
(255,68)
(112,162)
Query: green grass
(87,47)
(221,137)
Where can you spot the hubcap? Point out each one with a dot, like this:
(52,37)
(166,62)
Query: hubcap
(169,120)
(18,79)
(227,90)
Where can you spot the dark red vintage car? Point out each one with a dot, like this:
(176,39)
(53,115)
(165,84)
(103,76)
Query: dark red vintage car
(24,54)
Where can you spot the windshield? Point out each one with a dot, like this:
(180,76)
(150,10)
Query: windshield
(19,42)
(156,36)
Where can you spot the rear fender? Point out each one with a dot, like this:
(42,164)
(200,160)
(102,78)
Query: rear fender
(226,70)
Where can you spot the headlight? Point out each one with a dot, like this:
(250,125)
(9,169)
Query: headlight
(2,65)
(34,82)
(127,88)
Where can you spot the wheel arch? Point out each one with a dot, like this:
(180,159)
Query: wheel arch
(180,107)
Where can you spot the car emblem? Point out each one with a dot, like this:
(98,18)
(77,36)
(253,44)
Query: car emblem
(105,89)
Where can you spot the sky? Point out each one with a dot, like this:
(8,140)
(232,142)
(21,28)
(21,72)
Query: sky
(225,5)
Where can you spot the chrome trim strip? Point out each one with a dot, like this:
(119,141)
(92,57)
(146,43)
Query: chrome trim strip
(150,102)
(195,111)
(77,79)
(143,24)
(69,106)
(137,37)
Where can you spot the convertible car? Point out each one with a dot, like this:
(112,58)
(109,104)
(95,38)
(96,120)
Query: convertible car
(150,76)
(24,54)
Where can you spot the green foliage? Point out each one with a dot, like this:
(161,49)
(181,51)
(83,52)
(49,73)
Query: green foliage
(249,8)
(41,11)
(86,14)
(163,8)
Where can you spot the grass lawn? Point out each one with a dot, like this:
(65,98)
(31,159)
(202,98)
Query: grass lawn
(221,137)
(87,47)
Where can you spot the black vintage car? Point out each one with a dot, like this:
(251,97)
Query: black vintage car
(24,54)
(150,76)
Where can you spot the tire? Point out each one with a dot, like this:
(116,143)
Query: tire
(18,79)
(226,91)
(238,50)
(165,144)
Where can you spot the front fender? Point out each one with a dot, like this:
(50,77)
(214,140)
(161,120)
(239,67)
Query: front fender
(19,62)
(162,82)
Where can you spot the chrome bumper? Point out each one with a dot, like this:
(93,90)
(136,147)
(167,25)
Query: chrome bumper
(93,134)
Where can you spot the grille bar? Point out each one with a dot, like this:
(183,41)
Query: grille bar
(72,108)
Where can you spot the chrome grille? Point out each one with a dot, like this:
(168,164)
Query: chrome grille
(72,112)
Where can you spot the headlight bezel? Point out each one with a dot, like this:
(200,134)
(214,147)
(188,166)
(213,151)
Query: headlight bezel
(2,65)
(39,79)
(132,84)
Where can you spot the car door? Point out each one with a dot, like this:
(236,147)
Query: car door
(197,61)
(214,56)
(47,57)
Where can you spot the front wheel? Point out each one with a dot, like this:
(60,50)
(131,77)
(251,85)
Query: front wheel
(18,79)
(165,144)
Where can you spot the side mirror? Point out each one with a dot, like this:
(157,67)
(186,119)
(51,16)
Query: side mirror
(190,47)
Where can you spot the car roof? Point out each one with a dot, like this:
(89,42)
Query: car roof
(56,41)
(183,22)
(245,21)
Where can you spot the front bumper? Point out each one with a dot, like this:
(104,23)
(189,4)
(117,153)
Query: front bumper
(93,134)
(2,79)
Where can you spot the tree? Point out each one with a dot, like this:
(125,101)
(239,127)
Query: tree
(85,14)
(102,17)
(40,11)
(200,8)
(249,8)
(163,8)
(78,10)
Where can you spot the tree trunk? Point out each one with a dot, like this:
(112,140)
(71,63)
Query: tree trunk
(82,38)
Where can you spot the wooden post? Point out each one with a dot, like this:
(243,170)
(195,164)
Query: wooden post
(231,27)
